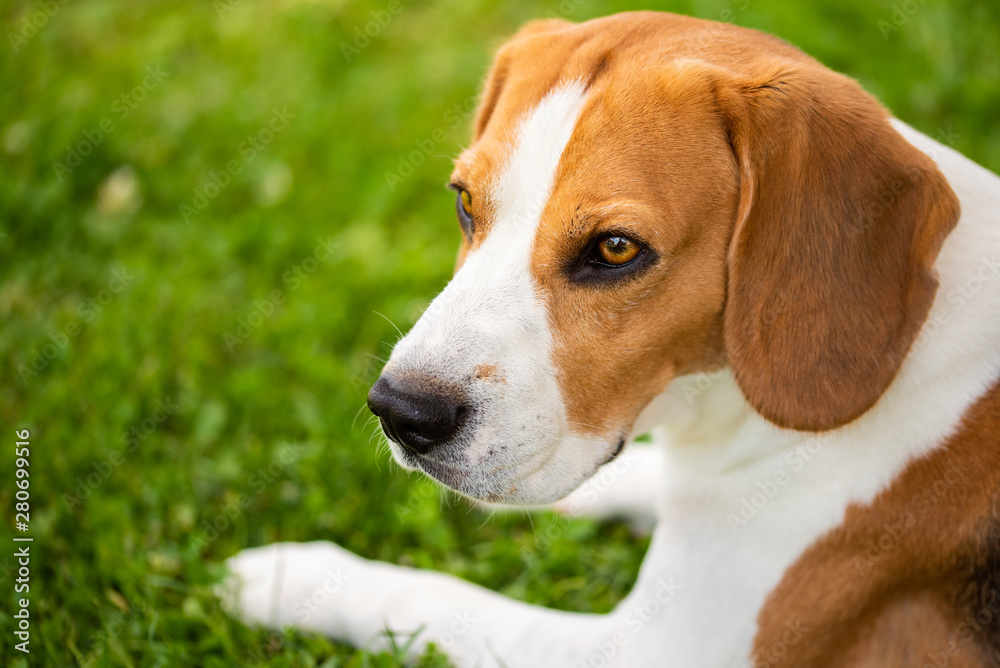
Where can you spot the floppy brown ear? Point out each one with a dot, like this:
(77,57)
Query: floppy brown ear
(831,259)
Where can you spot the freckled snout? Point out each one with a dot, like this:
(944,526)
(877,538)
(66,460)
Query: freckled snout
(415,414)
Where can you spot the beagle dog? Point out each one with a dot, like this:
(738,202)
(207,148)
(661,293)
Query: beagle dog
(693,228)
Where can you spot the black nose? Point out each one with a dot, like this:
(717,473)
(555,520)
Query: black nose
(417,419)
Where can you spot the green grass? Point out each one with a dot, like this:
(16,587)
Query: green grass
(172,382)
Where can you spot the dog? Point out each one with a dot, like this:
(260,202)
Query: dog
(693,228)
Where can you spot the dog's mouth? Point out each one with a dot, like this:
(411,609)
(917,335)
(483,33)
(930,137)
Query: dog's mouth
(450,475)
(496,479)
(614,455)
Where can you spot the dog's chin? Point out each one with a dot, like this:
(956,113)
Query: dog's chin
(542,484)
(466,482)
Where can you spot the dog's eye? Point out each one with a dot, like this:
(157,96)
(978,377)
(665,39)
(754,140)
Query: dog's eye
(609,259)
(465,201)
(616,251)
(463,207)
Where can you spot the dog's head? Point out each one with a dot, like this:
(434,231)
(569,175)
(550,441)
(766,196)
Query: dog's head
(646,195)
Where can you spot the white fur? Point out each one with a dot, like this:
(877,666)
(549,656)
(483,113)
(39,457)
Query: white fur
(520,447)
(706,576)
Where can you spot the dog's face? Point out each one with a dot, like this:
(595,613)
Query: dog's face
(604,205)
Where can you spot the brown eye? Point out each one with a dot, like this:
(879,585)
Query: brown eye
(463,207)
(466,202)
(617,251)
(612,258)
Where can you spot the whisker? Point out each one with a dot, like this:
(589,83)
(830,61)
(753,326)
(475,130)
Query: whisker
(376,357)
(583,424)
(390,322)
(488,520)
(358,414)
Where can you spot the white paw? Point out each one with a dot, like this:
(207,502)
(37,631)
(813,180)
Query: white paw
(307,585)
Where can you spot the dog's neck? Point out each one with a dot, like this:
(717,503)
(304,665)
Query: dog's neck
(708,425)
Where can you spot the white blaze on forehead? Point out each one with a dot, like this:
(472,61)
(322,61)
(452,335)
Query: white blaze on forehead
(491,314)
(495,280)
(494,293)
(526,180)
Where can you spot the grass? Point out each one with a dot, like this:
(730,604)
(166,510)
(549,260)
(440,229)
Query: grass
(171,328)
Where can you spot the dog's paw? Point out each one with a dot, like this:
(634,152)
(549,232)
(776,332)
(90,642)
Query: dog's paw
(307,585)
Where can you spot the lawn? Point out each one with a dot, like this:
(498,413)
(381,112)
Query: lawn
(213,217)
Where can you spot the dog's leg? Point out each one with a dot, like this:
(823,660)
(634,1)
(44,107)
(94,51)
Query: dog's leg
(322,587)
(626,488)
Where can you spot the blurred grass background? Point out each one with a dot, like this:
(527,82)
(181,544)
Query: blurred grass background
(163,357)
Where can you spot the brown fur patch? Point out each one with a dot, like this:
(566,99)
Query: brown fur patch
(912,579)
(490,372)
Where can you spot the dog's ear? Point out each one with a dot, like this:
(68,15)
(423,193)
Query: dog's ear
(830,265)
